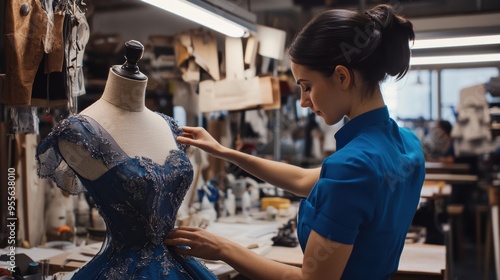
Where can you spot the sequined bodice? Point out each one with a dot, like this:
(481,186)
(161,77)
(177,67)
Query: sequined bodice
(137,198)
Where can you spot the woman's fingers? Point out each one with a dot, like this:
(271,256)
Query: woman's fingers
(181,232)
(182,236)
(186,228)
(191,129)
(183,239)
(177,242)
(195,242)
(185,140)
(188,135)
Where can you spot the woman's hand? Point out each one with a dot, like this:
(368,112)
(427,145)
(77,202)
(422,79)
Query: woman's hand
(196,242)
(199,137)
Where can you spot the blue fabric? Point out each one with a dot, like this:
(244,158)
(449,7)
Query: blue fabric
(137,198)
(367,194)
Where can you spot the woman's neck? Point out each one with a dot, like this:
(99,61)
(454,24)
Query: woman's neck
(125,93)
(365,105)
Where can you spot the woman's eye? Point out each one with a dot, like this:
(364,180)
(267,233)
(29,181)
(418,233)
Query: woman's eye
(305,88)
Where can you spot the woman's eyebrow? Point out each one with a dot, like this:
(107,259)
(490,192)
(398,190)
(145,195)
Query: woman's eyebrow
(300,81)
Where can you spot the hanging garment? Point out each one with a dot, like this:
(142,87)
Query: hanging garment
(24,120)
(77,36)
(3,5)
(49,89)
(471,132)
(25,27)
(39,44)
(50,85)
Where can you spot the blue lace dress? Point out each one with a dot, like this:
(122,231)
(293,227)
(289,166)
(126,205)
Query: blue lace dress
(137,198)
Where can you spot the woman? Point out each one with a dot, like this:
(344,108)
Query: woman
(361,201)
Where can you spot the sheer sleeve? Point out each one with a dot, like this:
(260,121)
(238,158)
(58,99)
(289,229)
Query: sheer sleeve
(50,163)
(85,133)
(176,130)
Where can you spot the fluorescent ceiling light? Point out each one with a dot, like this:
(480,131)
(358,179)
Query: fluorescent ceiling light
(454,59)
(456,42)
(201,15)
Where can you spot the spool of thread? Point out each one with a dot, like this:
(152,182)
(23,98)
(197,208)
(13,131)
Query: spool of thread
(246,204)
(33,268)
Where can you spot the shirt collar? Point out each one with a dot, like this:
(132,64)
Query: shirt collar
(354,126)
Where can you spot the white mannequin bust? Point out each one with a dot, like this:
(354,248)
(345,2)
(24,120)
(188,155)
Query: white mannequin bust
(121,111)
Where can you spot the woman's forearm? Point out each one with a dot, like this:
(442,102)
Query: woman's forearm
(254,266)
(289,177)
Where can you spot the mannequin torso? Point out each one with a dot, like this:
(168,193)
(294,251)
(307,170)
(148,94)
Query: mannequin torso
(121,111)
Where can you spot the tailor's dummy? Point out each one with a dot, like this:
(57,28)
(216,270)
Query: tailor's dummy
(122,112)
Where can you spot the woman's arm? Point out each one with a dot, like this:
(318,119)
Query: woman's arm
(323,259)
(286,176)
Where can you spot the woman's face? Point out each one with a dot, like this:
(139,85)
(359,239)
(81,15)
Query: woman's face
(323,95)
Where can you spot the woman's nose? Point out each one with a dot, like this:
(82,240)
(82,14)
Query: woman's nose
(305,101)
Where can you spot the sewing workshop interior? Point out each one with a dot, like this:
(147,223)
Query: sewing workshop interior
(250,139)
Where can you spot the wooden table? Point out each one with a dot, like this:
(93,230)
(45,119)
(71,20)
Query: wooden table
(418,261)
(452,173)
(439,167)
(435,189)
(422,261)
(452,178)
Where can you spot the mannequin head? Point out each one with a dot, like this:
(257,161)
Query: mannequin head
(133,53)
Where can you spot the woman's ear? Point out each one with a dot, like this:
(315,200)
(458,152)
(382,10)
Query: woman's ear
(343,76)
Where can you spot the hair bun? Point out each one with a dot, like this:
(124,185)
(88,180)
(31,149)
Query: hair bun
(374,43)
(396,34)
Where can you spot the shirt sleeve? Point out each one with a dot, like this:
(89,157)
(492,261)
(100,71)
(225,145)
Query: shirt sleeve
(343,199)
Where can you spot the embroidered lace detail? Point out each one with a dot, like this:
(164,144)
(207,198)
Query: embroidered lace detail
(77,130)
(176,130)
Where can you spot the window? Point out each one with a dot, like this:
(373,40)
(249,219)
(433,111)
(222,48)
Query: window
(416,95)
(410,97)
(453,80)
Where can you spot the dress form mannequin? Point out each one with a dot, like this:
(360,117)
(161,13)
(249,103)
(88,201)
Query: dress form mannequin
(121,111)
(127,159)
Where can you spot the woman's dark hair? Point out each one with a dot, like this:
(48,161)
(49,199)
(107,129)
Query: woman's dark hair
(375,43)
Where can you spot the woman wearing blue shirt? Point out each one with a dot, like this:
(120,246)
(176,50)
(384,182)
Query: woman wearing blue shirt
(360,203)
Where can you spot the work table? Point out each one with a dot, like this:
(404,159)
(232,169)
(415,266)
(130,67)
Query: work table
(418,261)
